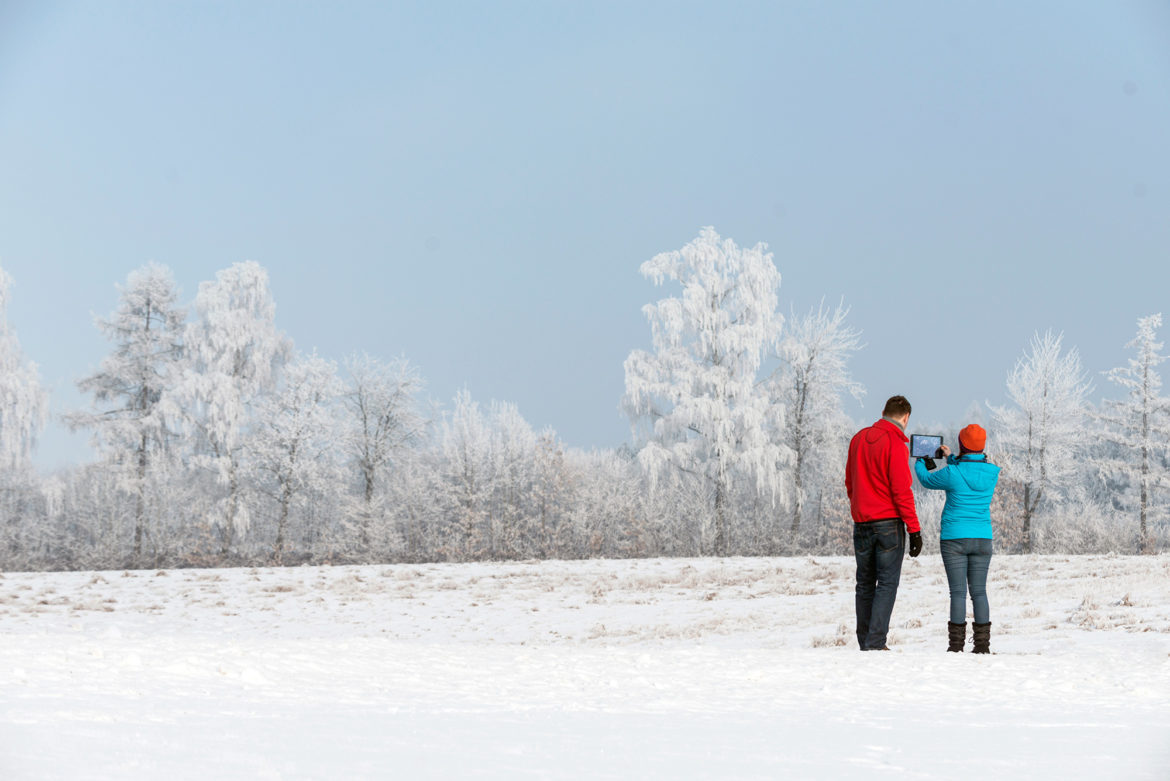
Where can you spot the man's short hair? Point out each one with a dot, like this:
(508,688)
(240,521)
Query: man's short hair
(896,407)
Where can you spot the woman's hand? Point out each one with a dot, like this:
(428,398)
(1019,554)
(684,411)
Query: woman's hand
(946,451)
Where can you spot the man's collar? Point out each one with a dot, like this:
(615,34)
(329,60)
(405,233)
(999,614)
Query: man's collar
(894,428)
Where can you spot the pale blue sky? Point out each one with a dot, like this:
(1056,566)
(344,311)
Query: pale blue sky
(474,185)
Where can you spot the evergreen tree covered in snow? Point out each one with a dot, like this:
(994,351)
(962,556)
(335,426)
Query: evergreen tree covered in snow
(809,384)
(695,399)
(134,408)
(1042,431)
(1139,425)
(24,403)
(235,352)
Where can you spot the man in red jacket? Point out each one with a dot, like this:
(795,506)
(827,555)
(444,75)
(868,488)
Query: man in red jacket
(877,479)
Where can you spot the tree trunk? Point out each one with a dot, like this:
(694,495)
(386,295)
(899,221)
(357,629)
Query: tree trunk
(140,501)
(720,518)
(366,521)
(281,524)
(799,446)
(822,532)
(1026,528)
(1029,505)
(798,499)
(545,536)
(1143,531)
(229,527)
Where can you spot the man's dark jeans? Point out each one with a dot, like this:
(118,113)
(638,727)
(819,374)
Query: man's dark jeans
(879,547)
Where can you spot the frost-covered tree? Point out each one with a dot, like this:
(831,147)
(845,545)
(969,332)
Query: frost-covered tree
(695,401)
(512,469)
(293,446)
(485,467)
(384,419)
(552,496)
(608,514)
(24,403)
(24,407)
(134,413)
(1042,431)
(809,385)
(1139,425)
(235,352)
(464,446)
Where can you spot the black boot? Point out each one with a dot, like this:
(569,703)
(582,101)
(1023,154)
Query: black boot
(981,638)
(956,636)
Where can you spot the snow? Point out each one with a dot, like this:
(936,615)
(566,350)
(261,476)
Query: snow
(660,668)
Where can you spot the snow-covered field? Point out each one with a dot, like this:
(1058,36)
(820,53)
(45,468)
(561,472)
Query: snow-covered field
(679,668)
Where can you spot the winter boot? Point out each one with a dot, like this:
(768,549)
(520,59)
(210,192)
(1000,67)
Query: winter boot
(956,636)
(982,638)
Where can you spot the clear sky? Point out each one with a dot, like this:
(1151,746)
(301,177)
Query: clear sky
(473,185)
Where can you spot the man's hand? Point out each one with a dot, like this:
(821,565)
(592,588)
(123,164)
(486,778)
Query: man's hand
(915,543)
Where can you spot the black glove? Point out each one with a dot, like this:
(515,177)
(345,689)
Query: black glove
(929,462)
(915,543)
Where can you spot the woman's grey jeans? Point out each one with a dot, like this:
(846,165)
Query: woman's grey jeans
(966,562)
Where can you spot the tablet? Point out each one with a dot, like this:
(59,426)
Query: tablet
(924,445)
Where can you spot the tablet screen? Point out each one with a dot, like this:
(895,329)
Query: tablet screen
(924,445)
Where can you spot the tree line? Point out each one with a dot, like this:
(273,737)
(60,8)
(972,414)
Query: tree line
(219,443)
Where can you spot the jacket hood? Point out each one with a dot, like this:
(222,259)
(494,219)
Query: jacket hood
(884,428)
(981,475)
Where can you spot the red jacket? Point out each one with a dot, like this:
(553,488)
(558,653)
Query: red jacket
(877,475)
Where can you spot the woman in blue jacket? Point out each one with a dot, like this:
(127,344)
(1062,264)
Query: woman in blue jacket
(969,481)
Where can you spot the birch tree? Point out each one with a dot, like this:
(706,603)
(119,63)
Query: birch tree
(1139,424)
(694,400)
(134,413)
(1042,431)
(235,352)
(808,386)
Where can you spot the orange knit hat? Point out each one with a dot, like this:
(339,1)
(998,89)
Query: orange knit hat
(973,438)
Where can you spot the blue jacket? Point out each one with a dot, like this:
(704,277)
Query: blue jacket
(969,481)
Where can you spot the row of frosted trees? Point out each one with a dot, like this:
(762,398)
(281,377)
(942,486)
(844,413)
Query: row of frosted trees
(218,443)
(747,408)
